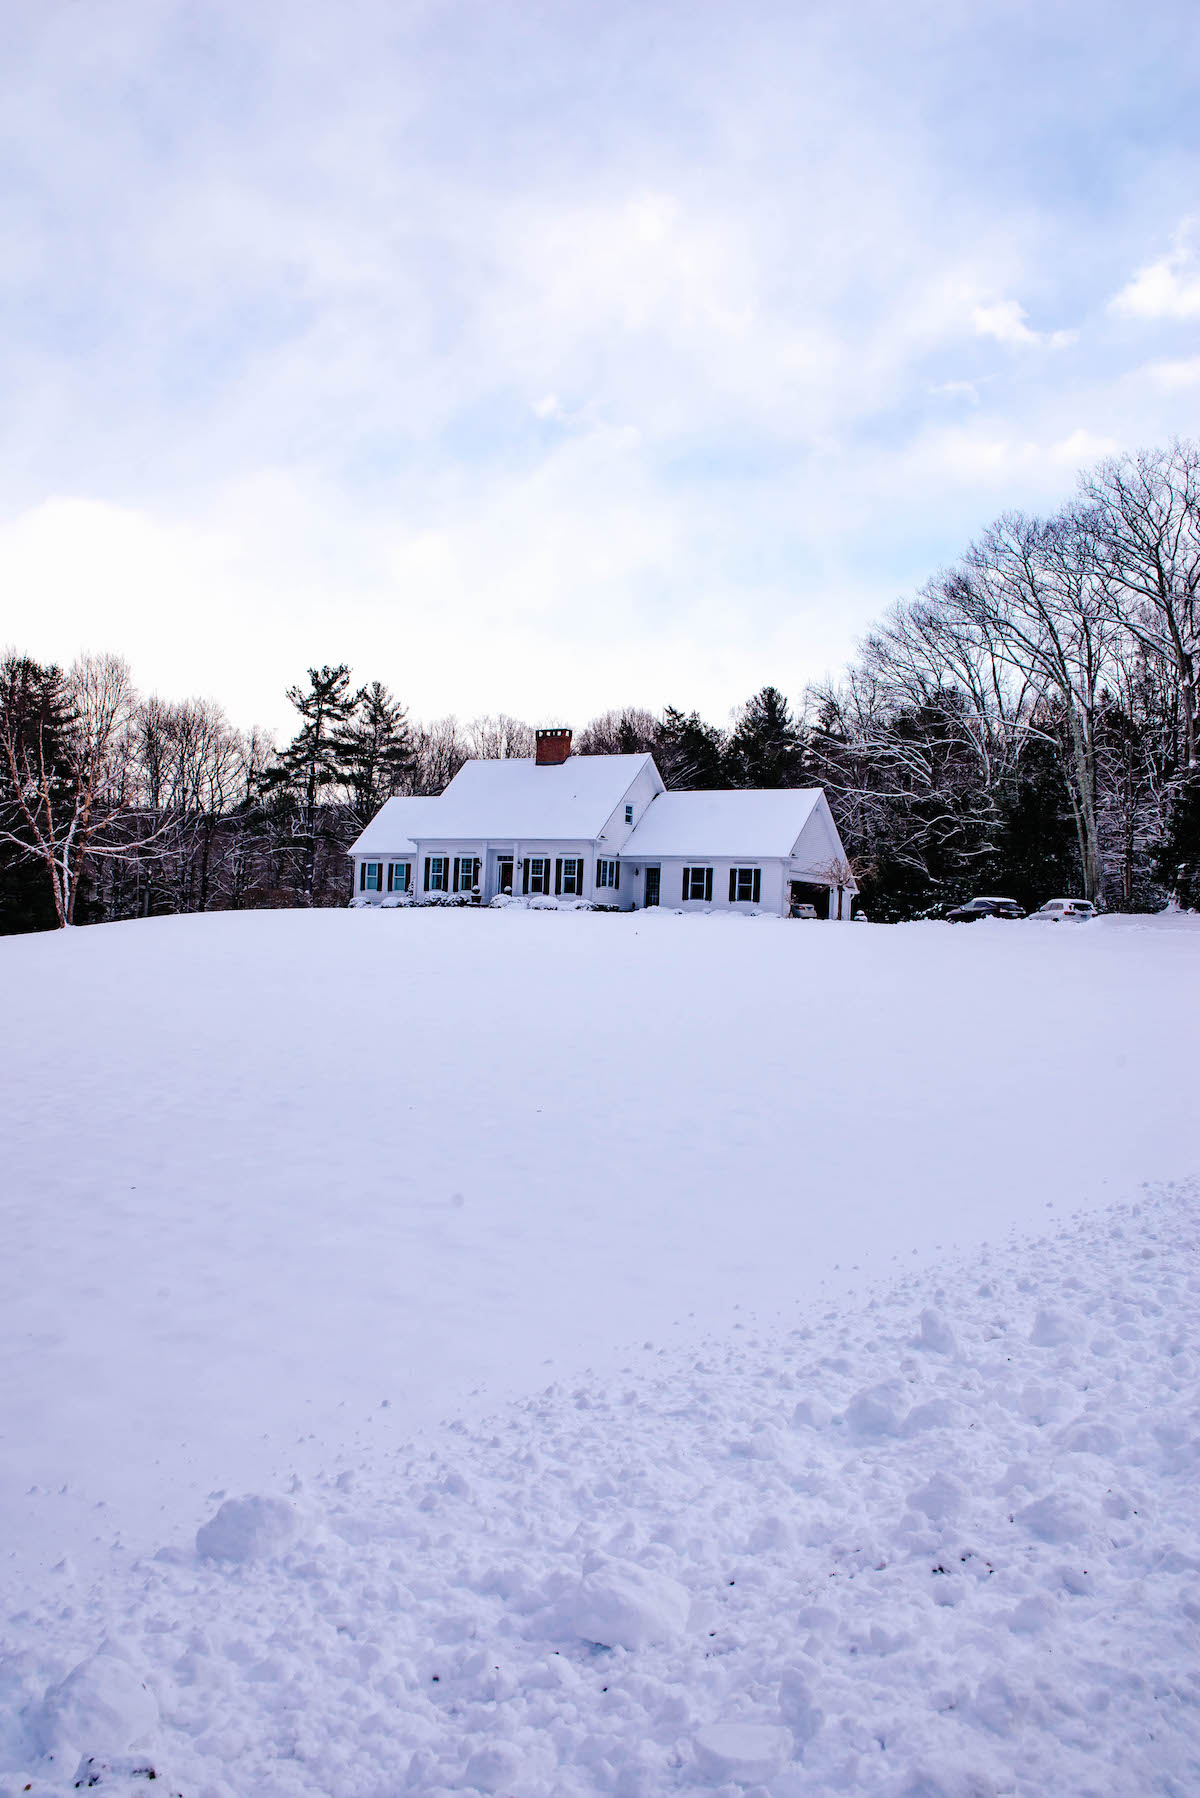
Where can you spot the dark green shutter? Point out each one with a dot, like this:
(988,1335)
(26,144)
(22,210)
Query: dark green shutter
(756,888)
(687,883)
(391,870)
(557,875)
(618,868)
(708,886)
(362,877)
(426,873)
(525,875)
(732,885)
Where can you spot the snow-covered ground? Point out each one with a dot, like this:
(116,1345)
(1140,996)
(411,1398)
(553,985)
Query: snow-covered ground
(659,1352)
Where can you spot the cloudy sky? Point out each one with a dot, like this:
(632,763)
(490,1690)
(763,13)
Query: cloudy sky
(551,356)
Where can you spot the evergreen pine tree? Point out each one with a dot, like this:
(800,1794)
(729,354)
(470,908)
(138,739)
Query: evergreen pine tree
(376,750)
(35,720)
(767,748)
(310,770)
(690,754)
(1179,855)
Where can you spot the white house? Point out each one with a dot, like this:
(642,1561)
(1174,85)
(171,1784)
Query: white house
(604,828)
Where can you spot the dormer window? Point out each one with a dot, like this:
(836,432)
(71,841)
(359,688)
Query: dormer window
(629,814)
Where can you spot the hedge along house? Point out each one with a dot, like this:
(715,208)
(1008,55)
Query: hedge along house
(603,829)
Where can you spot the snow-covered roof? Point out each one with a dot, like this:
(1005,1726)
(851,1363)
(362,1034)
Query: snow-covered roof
(723,824)
(573,799)
(393,827)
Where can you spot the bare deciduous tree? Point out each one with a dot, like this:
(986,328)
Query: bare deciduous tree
(72,800)
(1147,541)
(499,739)
(629,731)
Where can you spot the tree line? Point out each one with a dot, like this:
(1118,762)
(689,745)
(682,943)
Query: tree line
(1027,723)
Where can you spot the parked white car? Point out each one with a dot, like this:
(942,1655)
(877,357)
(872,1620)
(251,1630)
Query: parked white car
(1066,911)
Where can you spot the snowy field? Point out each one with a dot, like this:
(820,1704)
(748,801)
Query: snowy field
(659,1354)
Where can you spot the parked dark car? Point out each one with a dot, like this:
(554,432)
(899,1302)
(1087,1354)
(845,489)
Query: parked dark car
(975,909)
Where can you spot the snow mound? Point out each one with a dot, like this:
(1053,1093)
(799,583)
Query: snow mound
(941,1498)
(878,1410)
(622,1605)
(744,1752)
(247,1529)
(935,1333)
(591,1595)
(494,1768)
(101,1708)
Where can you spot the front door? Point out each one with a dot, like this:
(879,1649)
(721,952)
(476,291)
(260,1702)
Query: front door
(504,871)
(652,885)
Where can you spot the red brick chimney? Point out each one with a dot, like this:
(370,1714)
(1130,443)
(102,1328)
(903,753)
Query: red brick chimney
(553,747)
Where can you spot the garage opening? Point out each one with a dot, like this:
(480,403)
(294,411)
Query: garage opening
(807,892)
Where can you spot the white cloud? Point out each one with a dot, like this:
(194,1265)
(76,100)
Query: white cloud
(1172,375)
(957,390)
(287,327)
(1003,469)
(1005,321)
(1166,289)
